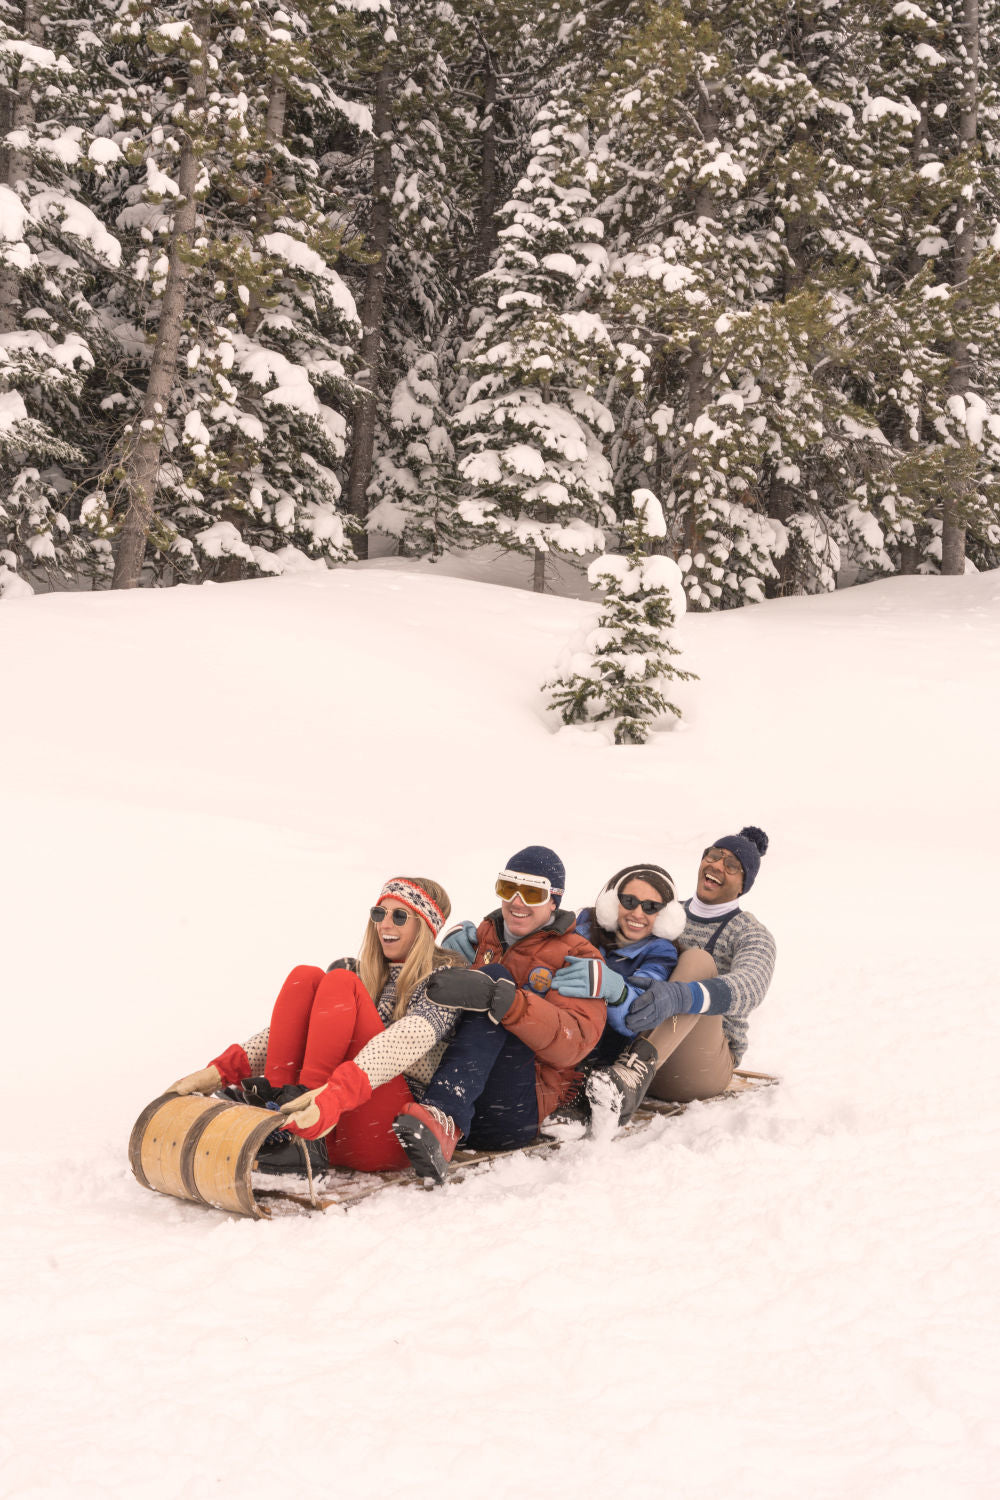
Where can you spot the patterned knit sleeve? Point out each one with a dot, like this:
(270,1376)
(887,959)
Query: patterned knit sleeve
(441,1021)
(256,1051)
(745,983)
(397,1049)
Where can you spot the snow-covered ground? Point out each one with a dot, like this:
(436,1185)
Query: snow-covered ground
(793,1295)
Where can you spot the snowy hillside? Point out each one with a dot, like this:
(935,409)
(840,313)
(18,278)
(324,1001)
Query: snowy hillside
(792,1295)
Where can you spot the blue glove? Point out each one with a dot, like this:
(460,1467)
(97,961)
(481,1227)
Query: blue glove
(463,941)
(578,977)
(344,963)
(663,999)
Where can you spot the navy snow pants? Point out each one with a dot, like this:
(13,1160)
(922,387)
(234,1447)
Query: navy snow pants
(486,1083)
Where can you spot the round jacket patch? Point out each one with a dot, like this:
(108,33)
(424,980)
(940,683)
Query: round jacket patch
(540,979)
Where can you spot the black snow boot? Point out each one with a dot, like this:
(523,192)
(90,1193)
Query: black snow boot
(282,1152)
(615,1093)
(264,1095)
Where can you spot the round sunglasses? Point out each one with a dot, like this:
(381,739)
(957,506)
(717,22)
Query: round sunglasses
(400,916)
(730,863)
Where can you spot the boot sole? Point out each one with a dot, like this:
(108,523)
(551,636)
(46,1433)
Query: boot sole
(606,1100)
(422,1147)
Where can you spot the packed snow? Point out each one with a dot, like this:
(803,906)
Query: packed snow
(792,1294)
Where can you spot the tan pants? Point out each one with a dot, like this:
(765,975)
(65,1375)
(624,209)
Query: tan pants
(695,1060)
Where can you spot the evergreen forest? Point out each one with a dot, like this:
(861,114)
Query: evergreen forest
(717,283)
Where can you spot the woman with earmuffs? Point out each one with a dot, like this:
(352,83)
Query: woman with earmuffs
(633,924)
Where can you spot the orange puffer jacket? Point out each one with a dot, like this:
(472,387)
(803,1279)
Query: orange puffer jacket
(559,1029)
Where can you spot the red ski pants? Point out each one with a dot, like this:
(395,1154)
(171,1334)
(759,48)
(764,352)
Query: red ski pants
(318,1021)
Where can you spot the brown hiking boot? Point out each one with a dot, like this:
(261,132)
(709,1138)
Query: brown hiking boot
(428,1137)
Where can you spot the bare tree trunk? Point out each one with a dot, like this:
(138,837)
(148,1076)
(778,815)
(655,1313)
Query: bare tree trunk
(372,309)
(277,108)
(538,573)
(486,231)
(17,112)
(697,380)
(952,519)
(142,462)
(909,558)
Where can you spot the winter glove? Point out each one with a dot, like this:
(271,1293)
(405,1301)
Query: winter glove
(491,990)
(316,1113)
(588,977)
(463,941)
(231,1066)
(664,998)
(351,964)
(205,1081)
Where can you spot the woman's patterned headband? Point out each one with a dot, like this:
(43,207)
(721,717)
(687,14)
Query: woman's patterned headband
(417,899)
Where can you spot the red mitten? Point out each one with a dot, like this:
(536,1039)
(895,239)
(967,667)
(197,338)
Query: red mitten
(233,1064)
(316,1113)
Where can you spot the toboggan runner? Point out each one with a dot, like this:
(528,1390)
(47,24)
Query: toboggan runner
(203,1149)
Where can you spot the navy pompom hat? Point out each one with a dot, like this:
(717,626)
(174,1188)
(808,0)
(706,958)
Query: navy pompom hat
(537,860)
(749,845)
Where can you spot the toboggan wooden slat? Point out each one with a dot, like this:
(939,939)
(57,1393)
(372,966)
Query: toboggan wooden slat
(201,1149)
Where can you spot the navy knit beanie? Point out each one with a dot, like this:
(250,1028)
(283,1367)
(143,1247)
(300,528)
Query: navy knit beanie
(537,860)
(748,845)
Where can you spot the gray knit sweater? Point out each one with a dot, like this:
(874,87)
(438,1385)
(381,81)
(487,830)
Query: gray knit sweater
(744,956)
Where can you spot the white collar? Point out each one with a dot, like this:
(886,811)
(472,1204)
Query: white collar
(710,913)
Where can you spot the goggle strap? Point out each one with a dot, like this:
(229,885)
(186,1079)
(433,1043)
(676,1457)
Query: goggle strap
(537,882)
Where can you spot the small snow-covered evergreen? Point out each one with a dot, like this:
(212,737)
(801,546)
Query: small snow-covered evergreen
(623,674)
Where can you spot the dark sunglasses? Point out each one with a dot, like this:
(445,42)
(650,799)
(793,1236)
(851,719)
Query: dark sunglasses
(400,916)
(631,902)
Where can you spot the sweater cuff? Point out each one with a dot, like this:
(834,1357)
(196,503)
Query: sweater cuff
(709,997)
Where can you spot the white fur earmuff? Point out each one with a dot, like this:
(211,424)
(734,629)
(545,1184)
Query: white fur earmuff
(669,922)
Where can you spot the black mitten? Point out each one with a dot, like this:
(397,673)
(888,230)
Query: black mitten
(491,989)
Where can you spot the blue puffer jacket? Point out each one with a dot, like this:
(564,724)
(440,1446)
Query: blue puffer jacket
(649,960)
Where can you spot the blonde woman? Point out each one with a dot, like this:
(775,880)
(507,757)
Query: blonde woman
(340,1064)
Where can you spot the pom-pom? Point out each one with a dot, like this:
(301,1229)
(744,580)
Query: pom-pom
(757,837)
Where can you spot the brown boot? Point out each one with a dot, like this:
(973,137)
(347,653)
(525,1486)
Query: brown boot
(428,1136)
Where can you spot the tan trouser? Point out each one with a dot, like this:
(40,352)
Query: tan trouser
(695,1060)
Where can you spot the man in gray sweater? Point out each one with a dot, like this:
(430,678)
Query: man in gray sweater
(691,1032)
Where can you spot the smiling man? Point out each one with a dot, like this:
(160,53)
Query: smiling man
(691,1033)
(514,1055)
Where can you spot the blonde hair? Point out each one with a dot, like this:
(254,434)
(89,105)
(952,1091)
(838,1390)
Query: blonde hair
(423,957)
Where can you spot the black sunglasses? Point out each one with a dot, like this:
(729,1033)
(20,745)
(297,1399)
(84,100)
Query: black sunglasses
(400,916)
(631,902)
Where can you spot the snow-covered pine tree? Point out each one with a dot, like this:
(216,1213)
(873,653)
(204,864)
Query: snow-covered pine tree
(533,426)
(413,487)
(461,126)
(623,674)
(929,152)
(730,262)
(408,189)
(51,241)
(226,434)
